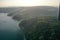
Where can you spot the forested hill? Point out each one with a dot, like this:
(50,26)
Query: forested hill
(9,9)
(31,12)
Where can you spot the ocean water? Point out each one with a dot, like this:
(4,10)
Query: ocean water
(9,29)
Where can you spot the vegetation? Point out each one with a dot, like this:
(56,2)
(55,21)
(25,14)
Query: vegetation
(31,12)
(41,29)
(40,23)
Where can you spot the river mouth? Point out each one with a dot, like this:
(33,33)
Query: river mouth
(9,29)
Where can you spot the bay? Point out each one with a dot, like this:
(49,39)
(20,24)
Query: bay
(9,29)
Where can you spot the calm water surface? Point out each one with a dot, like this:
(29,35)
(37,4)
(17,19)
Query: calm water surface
(9,29)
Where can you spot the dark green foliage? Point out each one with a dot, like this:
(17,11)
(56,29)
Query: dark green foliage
(39,29)
(17,17)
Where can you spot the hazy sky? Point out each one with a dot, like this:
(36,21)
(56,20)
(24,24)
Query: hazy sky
(5,3)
